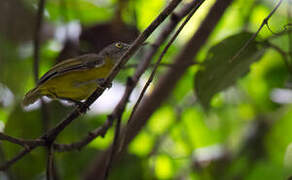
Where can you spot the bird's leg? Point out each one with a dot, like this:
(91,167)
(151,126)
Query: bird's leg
(100,82)
(79,104)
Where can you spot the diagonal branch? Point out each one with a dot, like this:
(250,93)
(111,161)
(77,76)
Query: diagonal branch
(100,131)
(176,17)
(10,162)
(265,22)
(51,135)
(150,79)
(168,81)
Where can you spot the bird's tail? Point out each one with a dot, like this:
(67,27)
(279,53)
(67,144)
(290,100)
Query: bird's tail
(31,96)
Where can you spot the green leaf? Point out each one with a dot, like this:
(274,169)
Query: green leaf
(220,71)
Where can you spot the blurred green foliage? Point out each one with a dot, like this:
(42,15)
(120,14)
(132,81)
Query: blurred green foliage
(244,133)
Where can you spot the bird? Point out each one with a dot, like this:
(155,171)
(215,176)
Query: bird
(77,78)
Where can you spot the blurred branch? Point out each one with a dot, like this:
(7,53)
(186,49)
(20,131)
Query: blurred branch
(150,79)
(182,61)
(100,131)
(50,163)
(284,55)
(289,14)
(169,65)
(28,145)
(132,82)
(3,158)
(265,22)
(37,42)
(10,162)
(50,136)
(37,38)
(21,142)
(115,147)
(281,33)
(168,81)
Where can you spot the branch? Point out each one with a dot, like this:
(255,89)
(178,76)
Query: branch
(50,163)
(51,135)
(132,82)
(114,147)
(168,65)
(27,144)
(265,22)
(130,86)
(281,33)
(101,131)
(289,35)
(21,142)
(168,81)
(150,79)
(7,164)
(284,55)
(37,37)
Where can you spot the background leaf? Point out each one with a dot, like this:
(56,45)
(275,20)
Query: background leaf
(219,71)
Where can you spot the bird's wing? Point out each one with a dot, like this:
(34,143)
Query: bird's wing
(86,61)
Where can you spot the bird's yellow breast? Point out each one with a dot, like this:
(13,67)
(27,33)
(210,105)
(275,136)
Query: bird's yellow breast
(76,84)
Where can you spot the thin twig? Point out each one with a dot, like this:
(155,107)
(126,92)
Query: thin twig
(175,19)
(265,22)
(281,33)
(21,142)
(284,55)
(50,163)
(36,58)
(289,14)
(52,134)
(114,147)
(37,38)
(8,163)
(100,131)
(150,79)
(168,65)
(168,80)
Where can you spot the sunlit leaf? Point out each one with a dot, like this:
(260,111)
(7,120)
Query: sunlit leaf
(163,167)
(161,120)
(199,134)
(142,145)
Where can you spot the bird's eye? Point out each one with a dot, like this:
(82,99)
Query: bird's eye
(118,45)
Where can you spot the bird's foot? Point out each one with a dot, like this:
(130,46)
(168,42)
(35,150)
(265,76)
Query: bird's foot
(101,83)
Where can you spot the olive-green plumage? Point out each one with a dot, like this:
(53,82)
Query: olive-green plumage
(75,79)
